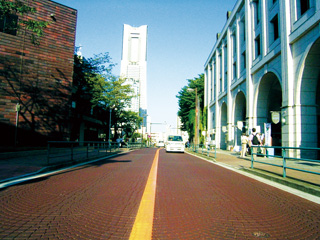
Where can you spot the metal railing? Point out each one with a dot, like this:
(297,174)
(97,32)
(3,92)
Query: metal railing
(293,158)
(289,158)
(209,150)
(59,152)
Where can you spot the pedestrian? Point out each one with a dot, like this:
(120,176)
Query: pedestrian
(254,142)
(244,142)
(263,141)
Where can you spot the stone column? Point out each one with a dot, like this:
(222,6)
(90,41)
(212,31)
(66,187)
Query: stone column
(288,137)
(229,96)
(217,108)
(249,49)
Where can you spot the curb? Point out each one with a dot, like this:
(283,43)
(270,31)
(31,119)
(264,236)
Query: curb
(289,182)
(51,170)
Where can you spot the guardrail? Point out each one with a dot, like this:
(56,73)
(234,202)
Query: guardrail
(204,150)
(67,151)
(291,158)
(294,158)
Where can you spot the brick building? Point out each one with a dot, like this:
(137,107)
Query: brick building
(36,79)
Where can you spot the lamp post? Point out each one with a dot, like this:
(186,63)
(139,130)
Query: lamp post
(109,126)
(17,122)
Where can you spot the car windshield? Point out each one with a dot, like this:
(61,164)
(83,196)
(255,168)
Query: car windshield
(175,138)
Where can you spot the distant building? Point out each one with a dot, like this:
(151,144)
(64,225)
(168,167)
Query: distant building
(36,80)
(263,71)
(134,67)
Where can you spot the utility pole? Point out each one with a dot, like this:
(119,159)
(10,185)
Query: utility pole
(196,129)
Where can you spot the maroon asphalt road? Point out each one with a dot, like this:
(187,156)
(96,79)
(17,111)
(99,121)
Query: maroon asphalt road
(195,199)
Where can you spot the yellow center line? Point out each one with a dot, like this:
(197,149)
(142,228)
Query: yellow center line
(142,227)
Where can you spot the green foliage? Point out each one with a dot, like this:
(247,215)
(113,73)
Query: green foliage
(129,122)
(96,87)
(187,101)
(20,8)
(7,7)
(135,136)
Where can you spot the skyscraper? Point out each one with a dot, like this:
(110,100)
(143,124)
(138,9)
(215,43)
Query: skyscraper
(134,66)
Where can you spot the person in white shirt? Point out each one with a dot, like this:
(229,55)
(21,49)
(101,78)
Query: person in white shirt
(244,142)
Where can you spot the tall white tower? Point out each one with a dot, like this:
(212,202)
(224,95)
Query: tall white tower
(134,66)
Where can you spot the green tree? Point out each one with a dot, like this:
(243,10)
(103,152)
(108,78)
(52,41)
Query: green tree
(96,87)
(187,105)
(8,9)
(129,122)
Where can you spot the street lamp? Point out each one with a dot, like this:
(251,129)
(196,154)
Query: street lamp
(17,121)
(196,129)
(109,126)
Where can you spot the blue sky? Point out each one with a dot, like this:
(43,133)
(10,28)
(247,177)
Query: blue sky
(181,34)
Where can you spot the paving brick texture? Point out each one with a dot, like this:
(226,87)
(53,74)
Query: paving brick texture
(199,200)
(195,199)
(96,201)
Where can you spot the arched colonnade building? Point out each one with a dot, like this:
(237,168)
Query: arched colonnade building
(266,61)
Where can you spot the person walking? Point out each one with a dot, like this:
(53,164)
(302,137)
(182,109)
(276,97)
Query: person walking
(263,143)
(244,142)
(254,142)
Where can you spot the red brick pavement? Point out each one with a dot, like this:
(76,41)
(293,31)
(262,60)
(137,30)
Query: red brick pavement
(194,200)
(98,201)
(200,200)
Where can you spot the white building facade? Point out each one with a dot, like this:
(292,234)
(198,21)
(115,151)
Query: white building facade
(266,61)
(134,66)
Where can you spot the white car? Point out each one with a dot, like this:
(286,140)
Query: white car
(160,143)
(174,144)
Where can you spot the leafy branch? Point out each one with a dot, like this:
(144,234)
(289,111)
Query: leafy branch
(18,7)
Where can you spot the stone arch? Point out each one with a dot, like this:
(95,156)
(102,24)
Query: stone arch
(269,99)
(308,98)
(224,125)
(239,114)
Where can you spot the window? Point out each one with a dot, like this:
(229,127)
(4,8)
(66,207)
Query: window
(304,6)
(257,11)
(234,46)
(275,28)
(8,24)
(234,71)
(243,60)
(225,79)
(220,72)
(213,84)
(257,46)
(175,138)
(243,30)
(234,56)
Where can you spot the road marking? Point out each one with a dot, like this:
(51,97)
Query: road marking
(142,227)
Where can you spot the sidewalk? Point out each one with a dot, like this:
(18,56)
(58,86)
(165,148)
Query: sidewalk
(303,181)
(18,164)
(15,164)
